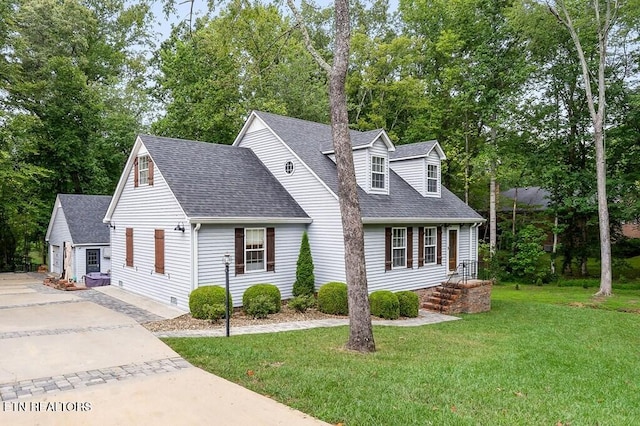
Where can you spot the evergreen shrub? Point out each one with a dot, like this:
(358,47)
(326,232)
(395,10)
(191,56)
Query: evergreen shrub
(268,290)
(206,295)
(305,280)
(384,304)
(302,303)
(261,306)
(409,303)
(332,299)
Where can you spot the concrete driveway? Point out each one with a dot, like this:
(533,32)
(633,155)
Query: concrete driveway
(71,358)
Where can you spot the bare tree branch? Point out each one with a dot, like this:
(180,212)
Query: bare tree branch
(307,39)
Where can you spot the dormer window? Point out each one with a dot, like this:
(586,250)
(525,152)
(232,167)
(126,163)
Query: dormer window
(432,178)
(378,173)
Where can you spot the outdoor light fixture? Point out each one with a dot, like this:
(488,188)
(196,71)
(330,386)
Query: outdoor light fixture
(112,225)
(226,259)
(179,227)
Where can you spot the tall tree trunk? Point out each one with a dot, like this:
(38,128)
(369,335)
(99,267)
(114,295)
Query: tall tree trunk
(493,189)
(360,328)
(604,26)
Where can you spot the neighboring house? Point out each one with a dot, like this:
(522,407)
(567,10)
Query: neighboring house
(180,206)
(78,239)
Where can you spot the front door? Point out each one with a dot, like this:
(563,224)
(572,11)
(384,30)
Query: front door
(453,250)
(93,260)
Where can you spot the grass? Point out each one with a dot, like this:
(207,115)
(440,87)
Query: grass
(535,359)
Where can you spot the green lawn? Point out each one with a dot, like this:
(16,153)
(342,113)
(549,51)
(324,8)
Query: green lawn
(540,357)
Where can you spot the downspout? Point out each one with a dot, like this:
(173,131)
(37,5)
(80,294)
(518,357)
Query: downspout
(194,257)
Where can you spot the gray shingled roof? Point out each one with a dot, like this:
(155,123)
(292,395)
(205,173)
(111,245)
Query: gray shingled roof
(534,197)
(410,150)
(307,139)
(84,214)
(217,181)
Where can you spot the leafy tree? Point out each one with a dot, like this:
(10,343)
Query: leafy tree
(248,57)
(305,280)
(71,102)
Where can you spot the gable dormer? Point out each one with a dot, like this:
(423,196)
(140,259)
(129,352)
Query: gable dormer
(419,164)
(371,154)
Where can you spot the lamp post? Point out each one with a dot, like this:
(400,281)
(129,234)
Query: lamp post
(227,261)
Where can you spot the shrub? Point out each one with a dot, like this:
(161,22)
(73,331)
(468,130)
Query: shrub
(384,304)
(215,312)
(302,303)
(409,304)
(528,250)
(305,280)
(269,290)
(206,295)
(332,299)
(261,306)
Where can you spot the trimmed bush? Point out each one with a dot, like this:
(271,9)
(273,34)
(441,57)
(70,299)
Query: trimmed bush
(261,306)
(332,299)
(206,295)
(302,303)
(214,312)
(384,304)
(305,280)
(409,304)
(269,290)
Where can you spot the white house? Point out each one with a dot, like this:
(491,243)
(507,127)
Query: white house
(78,239)
(180,206)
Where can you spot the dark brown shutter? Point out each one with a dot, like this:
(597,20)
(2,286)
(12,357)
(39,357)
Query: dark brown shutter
(159,238)
(439,247)
(271,249)
(239,251)
(150,180)
(420,246)
(129,244)
(387,249)
(410,247)
(135,172)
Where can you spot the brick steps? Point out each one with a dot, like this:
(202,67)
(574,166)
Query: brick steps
(443,298)
(470,296)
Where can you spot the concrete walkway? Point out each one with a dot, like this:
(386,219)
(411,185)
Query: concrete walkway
(81,358)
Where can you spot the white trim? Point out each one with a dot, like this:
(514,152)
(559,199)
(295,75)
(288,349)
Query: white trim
(419,220)
(194,255)
(435,146)
(91,245)
(406,243)
(435,245)
(264,250)
(381,134)
(57,205)
(384,173)
(245,220)
(246,126)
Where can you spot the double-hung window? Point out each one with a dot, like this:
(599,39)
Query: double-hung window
(399,247)
(143,170)
(254,253)
(432,178)
(378,173)
(430,245)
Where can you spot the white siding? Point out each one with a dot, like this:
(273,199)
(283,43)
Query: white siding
(362,166)
(413,172)
(80,261)
(216,240)
(325,233)
(59,234)
(434,159)
(400,278)
(145,209)
(464,236)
